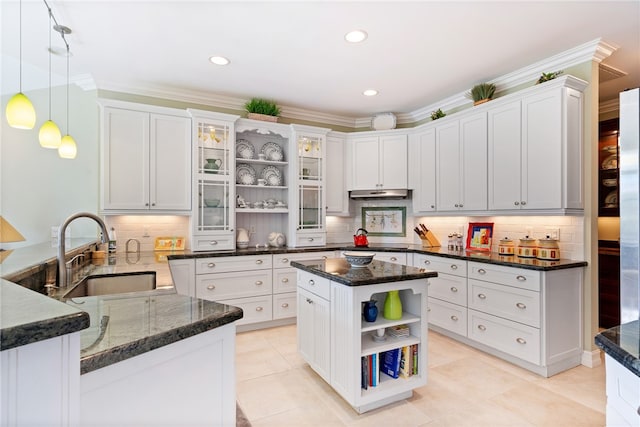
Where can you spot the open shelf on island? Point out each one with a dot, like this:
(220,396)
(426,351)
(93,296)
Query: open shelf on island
(381,322)
(369,346)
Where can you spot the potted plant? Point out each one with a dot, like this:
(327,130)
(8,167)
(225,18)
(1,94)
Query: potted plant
(545,77)
(261,109)
(481,93)
(438,114)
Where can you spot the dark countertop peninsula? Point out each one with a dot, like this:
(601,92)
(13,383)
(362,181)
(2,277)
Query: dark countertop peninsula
(339,270)
(622,343)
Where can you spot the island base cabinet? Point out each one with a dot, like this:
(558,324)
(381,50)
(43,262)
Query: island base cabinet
(623,395)
(196,386)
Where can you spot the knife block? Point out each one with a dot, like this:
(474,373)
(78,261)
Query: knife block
(430,240)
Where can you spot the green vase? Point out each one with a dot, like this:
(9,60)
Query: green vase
(392,306)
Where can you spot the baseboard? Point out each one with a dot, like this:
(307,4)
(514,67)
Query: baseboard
(591,359)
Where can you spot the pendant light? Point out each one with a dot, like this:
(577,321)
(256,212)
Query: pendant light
(68,148)
(20,112)
(50,136)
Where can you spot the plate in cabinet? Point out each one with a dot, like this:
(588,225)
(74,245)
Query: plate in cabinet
(272,176)
(272,151)
(245,174)
(244,149)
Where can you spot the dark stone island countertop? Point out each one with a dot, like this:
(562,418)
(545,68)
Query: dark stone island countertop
(622,343)
(339,270)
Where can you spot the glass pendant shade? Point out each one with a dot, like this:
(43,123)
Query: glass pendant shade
(20,112)
(50,136)
(67,149)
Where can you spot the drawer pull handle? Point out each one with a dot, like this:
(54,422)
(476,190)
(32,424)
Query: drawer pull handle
(211,287)
(213,242)
(482,271)
(284,305)
(521,341)
(394,258)
(285,260)
(309,301)
(259,308)
(285,280)
(427,262)
(454,289)
(324,257)
(454,318)
(482,327)
(521,305)
(521,278)
(516,203)
(311,282)
(454,267)
(211,265)
(524,202)
(258,282)
(258,261)
(482,296)
(429,310)
(310,239)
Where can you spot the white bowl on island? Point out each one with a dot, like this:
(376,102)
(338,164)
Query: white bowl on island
(359,259)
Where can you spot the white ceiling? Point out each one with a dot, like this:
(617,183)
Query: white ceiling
(417,54)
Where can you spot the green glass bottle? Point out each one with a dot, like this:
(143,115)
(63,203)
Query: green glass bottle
(392,306)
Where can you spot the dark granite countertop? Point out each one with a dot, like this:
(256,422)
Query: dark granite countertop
(623,344)
(339,270)
(27,317)
(489,258)
(124,326)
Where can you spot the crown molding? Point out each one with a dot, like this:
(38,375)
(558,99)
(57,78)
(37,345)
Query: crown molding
(609,106)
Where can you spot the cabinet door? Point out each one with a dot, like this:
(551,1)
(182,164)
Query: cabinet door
(393,161)
(314,327)
(473,143)
(366,160)
(542,154)
(422,170)
(170,165)
(448,172)
(125,159)
(336,185)
(504,157)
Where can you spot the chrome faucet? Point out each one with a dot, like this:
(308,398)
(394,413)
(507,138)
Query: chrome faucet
(62,271)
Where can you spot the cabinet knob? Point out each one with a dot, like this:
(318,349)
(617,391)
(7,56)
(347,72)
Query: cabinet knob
(285,260)
(311,282)
(258,282)
(521,278)
(461,205)
(258,261)
(211,265)
(393,258)
(521,341)
(284,305)
(259,308)
(482,296)
(309,301)
(433,206)
(523,202)
(310,239)
(454,267)
(454,289)
(482,327)
(521,305)
(285,280)
(324,257)
(153,204)
(454,318)
(211,287)
(482,271)
(456,205)
(516,203)
(146,204)
(213,242)
(427,262)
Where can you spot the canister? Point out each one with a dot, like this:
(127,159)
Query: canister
(527,248)
(506,247)
(548,249)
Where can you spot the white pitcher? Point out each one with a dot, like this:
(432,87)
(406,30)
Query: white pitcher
(242,241)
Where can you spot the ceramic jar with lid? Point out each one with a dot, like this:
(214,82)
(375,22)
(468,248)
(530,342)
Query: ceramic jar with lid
(527,248)
(506,247)
(548,249)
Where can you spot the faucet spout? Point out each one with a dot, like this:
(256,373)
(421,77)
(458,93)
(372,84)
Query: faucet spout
(62,271)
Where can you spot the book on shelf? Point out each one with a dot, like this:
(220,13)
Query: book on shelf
(405,362)
(414,356)
(399,331)
(391,362)
(364,372)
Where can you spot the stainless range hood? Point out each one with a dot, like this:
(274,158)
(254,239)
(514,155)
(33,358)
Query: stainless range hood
(378,194)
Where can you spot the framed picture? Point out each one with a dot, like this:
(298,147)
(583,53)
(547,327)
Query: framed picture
(385,221)
(479,236)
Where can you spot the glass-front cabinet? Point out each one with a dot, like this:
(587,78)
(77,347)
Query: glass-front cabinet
(308,226)
(213,217)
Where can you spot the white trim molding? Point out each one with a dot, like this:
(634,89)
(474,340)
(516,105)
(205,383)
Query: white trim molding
(591,359)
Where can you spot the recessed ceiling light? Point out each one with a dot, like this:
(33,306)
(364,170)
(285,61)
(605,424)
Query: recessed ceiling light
(370,92)
(219,60)
(356,36)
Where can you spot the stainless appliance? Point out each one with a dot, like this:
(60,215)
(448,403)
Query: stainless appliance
(629,162)
(379,194)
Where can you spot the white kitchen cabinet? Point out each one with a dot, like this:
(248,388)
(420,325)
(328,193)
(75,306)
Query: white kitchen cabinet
(213,215)
(146,158)
(379,162)
(422,169)
(394,257)
(461,164)
(623,395)
(535,150)
(336,181)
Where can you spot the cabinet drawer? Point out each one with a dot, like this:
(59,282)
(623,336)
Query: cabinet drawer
(312,239)
(217,287)
(449,288)
(284,260)
(510,303)
(395,257)
(513,338)
(233,263)
(213,243)
(285,305)
(254,309)
(448,316)
(314,284)
(284,280)
(510,276)
(441,265)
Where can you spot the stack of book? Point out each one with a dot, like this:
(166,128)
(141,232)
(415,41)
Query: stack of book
(399,362)
(398,331)
(409,361)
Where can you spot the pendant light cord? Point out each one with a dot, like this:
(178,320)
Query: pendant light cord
(68,54)
(20,41)
(49,9)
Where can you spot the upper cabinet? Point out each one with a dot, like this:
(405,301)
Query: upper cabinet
(422,169)
(145,158)
(379,162)
(336,180)
(535,150)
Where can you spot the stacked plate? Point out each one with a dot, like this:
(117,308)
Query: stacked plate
(272,151)
(244,149)
(272,176)
(245,174)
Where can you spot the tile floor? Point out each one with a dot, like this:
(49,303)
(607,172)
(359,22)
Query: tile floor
(466,387)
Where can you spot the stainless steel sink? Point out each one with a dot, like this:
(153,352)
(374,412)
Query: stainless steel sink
(113,284)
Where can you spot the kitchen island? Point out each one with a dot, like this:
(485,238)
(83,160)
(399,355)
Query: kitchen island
(345,349)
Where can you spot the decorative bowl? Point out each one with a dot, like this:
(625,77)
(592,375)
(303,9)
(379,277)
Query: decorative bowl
(211,203)
(359,259)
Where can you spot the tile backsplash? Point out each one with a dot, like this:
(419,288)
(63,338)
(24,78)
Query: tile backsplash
(145,228)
